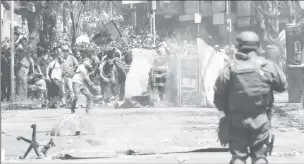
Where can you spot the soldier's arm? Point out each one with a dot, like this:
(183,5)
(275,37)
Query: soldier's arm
(280,82)
(221,89)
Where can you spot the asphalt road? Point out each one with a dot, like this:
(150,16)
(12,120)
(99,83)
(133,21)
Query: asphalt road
(150,130)
(146,131)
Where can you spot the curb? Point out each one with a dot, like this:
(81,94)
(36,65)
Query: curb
(20,106)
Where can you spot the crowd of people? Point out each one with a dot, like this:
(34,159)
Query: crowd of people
(58,76)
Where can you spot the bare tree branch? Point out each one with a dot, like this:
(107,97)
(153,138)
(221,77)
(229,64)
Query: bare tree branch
(79,15)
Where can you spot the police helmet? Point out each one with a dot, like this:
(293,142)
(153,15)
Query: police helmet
(248,40)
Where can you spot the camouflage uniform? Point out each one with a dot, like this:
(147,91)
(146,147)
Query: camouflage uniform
(249,126)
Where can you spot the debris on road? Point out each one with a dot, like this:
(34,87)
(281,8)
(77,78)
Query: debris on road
(182,159)
(85,154)
(35,145)
(70,142)
(93,142)
(72,125)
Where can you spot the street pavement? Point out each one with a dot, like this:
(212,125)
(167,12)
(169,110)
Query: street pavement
(146,131)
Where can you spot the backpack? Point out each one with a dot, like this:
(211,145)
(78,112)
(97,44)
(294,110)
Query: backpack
(248,89)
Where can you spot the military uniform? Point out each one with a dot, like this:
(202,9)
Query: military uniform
(246,114)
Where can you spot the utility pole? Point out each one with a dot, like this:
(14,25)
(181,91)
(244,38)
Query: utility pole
(198,24)
(153,8)
(1,23)
(229,22)
(12,52)
(151,19)
(291,12)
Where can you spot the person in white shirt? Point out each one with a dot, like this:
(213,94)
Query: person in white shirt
(69,65)
(80,80)
(54,76)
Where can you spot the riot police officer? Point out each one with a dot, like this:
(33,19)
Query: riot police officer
(244,91)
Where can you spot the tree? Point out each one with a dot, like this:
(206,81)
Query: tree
(42,19)
(75,18)
(268,13)
(42,11)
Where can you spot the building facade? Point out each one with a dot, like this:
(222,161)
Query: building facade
(208,19)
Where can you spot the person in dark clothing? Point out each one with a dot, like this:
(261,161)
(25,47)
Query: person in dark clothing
(244,92)
(5,77)
(122,70)
(107,73)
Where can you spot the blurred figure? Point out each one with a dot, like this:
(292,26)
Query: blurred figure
(43,62)
(54,79)
(69,67)
(5,75)
(272,53)
(22,75)
(80,79)
(123,67)
(36,83)
(107,73)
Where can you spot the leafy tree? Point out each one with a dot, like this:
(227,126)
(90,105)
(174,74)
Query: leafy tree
(41,20)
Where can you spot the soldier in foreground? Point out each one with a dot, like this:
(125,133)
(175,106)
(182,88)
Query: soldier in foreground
(244,92)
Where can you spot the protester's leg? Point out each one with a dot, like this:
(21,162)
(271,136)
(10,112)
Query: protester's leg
(69,84)
(122,92)
(8,92)
(60,88)
(48,90)
(23,87)
(107,92)
(112,88)
(85,91)
(77,88)
(3,89)
(102,89)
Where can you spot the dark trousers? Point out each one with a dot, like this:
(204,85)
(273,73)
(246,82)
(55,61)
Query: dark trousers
(122,92)
(107,89)
(249,133)
(81,89)
(5,88)
(54,91)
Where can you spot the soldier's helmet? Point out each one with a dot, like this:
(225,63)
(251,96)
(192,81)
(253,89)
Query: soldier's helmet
(248,40)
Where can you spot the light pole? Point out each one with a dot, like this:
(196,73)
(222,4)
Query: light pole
(12,52)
